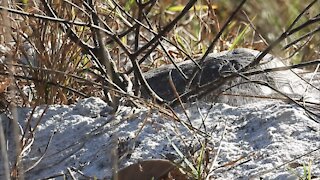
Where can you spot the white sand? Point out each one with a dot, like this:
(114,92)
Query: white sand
(266,135)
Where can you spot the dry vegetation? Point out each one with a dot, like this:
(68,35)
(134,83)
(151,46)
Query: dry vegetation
(58,49)
(55,52)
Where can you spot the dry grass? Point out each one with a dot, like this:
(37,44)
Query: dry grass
(44,45)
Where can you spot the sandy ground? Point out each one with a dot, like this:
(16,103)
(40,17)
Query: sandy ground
(257,138)
(263,139)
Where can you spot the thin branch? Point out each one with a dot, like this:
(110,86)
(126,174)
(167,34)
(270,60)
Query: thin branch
(283,36)
(300,15)
(65,26)
(138,23)
(301,38)
(167,28)
(211,46)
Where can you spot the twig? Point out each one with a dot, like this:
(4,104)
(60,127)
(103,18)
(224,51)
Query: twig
(214,162)
(47,82)
(71,174)
(211,86)
(283,164)
(42,156)
(138,23)
(284,35)
(174,89)
(144,81)
(167,28)
(73,36)
(65,25)
(215,40)
(254,28)
(300,65)
(104,57)
(166,52)
(301,38)
(4,154)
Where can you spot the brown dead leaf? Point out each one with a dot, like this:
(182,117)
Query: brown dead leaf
(151,169)
(4,84)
